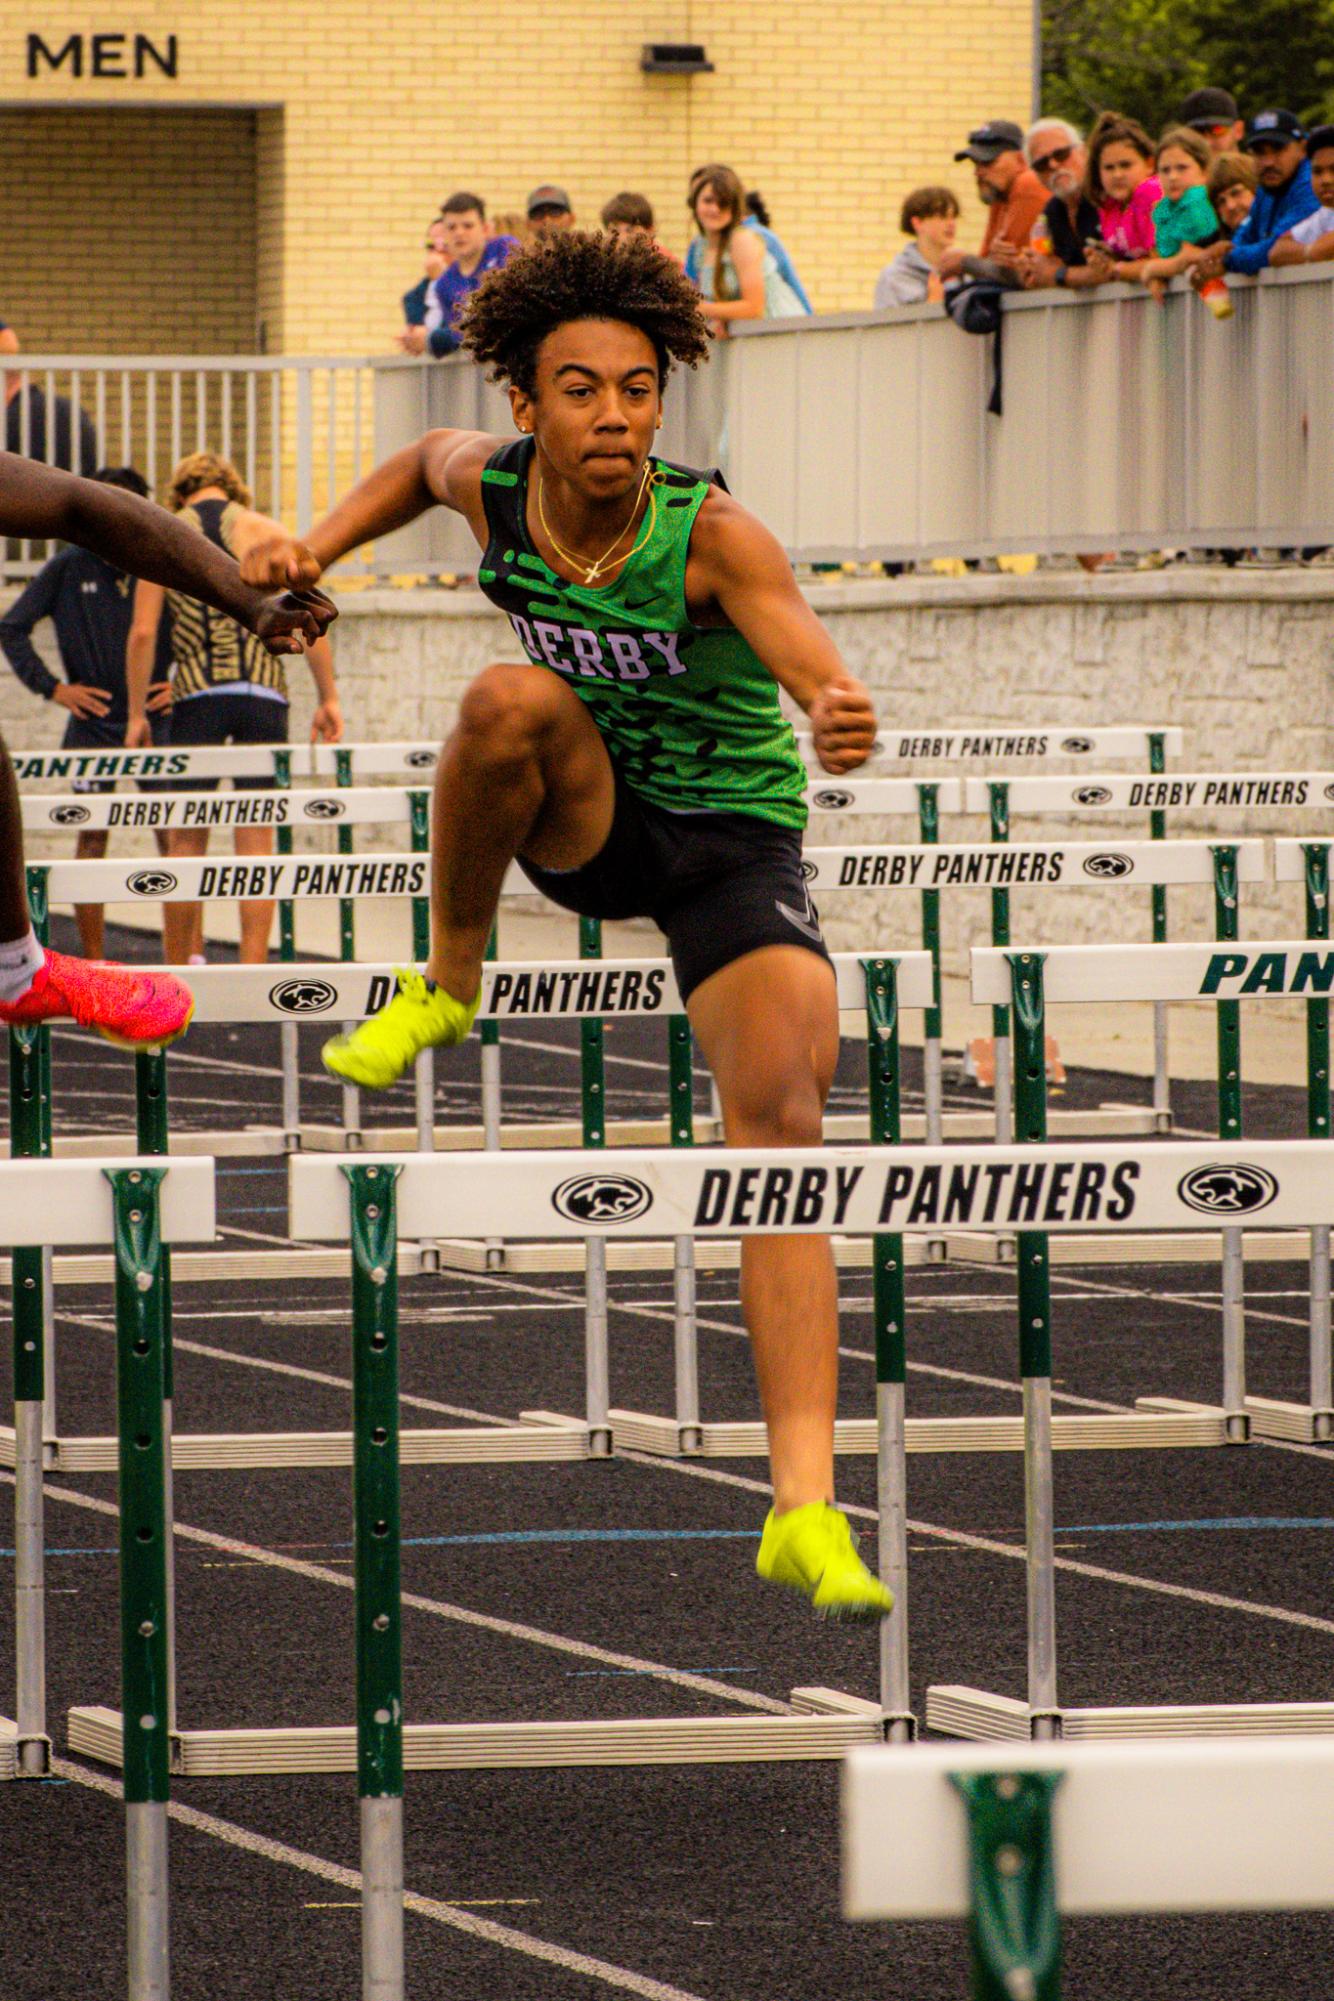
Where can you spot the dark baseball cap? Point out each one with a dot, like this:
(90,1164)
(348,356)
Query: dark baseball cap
(989,141)
(1319,139)
(549,196)
(1271,128)
(1207,107)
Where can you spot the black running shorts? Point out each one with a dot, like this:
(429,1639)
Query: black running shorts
(718,885)
(96,733)
(222,717)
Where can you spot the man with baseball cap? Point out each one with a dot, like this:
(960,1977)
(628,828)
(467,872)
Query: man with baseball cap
(1277,144)
(1312,241)
(549,208)
(1213,114)
(1013,194)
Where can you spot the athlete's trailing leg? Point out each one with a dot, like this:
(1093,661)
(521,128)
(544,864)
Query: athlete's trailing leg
(40,985)
(768,1026)
(524,772)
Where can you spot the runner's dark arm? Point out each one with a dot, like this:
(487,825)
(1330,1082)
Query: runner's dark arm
(40,502)
(739,568)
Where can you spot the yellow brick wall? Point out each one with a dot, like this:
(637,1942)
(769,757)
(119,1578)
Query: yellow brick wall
(128,231)
(361,119)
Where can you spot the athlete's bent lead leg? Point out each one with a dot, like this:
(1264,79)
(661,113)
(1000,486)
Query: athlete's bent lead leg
(525,772)
(768,1026)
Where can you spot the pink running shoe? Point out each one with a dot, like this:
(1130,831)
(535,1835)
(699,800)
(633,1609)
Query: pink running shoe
(136,1009)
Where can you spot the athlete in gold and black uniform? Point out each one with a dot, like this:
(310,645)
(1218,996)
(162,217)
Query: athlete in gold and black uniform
(225,689)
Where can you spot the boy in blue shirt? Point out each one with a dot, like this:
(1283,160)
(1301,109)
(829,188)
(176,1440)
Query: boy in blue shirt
(474,254)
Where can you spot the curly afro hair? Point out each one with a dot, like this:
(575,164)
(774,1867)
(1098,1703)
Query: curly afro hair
(575,275)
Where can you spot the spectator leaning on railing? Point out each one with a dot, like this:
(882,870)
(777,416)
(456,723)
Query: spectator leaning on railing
(1014,196)
(930,217)
(1056,252)
(739,275)
(1184,222)
(1121,184)
(756,219)
(1232,186)
(415,301)
(1312,241)
(1277,144)
(1213,114)
(473,253)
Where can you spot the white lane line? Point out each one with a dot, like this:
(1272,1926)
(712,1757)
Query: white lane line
(510,1629)
(440,1913)
(988,1546)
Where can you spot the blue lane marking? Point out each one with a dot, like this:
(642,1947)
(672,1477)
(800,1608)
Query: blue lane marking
(514,1536)
(1215,1522)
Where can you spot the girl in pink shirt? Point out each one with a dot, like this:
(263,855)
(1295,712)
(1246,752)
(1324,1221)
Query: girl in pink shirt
(1123,187)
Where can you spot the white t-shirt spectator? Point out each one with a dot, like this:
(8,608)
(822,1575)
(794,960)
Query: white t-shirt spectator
(1313,227)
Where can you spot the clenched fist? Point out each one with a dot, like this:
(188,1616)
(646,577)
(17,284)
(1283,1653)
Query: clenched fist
(843,724)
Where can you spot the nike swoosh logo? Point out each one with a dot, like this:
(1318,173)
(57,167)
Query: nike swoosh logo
(806,921)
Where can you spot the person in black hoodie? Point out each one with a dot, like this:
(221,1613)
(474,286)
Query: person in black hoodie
(89,602)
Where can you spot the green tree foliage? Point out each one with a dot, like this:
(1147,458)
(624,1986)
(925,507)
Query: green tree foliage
(1142,56)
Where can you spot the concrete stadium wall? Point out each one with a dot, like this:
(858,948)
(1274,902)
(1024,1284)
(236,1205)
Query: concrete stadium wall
(1241,660)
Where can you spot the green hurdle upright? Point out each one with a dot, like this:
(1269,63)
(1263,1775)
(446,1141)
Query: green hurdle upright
(891,1355)
(998,802)
(681,1126)
(933,1087)
(378,1612)
(34,1379)
(1315,855)
(289,1034)
(145,1605)
(593,1114)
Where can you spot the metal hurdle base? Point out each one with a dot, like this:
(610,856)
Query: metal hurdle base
(1129,1431)
(978,1715)
(825,1724)
(1129,1247)
(1297,1422)
(9,1752)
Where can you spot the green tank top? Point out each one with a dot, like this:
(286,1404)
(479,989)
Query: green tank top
(690,717)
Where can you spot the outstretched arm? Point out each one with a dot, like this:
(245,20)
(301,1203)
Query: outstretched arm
(441,470)
(41,502)
(739,567)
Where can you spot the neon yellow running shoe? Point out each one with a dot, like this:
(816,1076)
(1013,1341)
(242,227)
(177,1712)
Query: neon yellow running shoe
(420,1016)
(813,1550)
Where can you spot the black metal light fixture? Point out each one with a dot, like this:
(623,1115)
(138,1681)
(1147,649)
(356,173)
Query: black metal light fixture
(674,59)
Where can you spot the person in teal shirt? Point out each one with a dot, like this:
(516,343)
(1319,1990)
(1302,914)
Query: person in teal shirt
(1184,221)
(630,752)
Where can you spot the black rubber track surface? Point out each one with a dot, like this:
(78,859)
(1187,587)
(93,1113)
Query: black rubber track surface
(717,1883)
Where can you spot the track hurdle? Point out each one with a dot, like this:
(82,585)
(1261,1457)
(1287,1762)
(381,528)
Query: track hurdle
(1010,1844)
(1158,794)
(1028,744)
(139,1207)
(1228,975)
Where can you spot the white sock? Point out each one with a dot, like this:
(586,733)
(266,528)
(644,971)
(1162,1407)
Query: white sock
(20,961)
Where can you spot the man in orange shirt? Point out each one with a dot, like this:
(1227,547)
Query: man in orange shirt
(1013,194)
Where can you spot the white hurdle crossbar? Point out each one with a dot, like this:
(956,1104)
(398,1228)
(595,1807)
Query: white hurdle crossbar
(1032,743)
(1011,1843)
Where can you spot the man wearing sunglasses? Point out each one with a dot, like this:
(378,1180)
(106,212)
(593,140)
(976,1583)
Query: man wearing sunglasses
(1013,195)
(1277,144)
(1056,254)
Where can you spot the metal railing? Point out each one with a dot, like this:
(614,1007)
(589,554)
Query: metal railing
(1124,425)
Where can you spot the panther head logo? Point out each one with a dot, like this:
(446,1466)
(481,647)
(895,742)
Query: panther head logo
(151,882)
(420,760)
(1092,795)
(831,799)
(69,816)
(303,996)
(324,809)
(810,870)
(1109,867)
(602,1198)
(1076,746)
(1229,1188)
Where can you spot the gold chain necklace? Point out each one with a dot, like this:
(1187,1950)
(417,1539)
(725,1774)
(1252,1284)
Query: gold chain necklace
(592,571)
